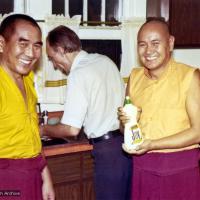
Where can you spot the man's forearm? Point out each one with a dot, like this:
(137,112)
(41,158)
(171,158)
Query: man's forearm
(58,130)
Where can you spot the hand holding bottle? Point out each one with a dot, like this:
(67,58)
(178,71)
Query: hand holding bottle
(144,147)
(128,116)
(124,118)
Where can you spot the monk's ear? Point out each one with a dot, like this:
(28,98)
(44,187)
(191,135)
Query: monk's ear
(2,43)
(171,42)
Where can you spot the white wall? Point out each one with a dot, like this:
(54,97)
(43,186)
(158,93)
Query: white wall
(188,56)
(38,9)
(134,8)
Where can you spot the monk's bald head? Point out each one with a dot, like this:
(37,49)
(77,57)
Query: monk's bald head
(155,24)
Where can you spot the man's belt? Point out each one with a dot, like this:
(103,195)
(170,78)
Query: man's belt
(107,136)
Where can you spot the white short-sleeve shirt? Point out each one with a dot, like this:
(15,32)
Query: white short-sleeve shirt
(95,90)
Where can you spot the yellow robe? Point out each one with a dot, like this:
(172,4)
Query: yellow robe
(19,131)
(162,100)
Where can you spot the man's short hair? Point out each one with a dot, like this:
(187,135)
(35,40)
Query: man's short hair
(64,37)
(7,27)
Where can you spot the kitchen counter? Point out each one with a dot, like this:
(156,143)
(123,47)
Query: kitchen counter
(70,147)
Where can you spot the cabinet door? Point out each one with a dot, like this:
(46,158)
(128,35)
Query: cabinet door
(183,18)
(87,177)
(66,191)
(184,22)
(66,175)
(72,176)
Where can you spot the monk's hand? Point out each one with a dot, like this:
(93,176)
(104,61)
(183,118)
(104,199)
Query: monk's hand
(143,148)
(123,118)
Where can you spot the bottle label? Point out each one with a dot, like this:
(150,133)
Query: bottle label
(132,133)
(132,136)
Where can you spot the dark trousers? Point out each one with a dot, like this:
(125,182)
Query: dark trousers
(113,169)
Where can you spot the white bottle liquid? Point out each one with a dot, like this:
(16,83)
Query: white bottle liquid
(132,132)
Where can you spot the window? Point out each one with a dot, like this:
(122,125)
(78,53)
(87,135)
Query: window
(110,48)
(93,12)
(58,7)
(6,6)
(76,7)
(112,12)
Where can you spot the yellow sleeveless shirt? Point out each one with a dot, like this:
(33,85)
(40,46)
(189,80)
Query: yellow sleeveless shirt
(19,131)
(162,101)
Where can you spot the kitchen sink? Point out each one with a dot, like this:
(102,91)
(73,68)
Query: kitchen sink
(53,141)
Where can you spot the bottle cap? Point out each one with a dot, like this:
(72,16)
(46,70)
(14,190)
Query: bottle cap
(127,97)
